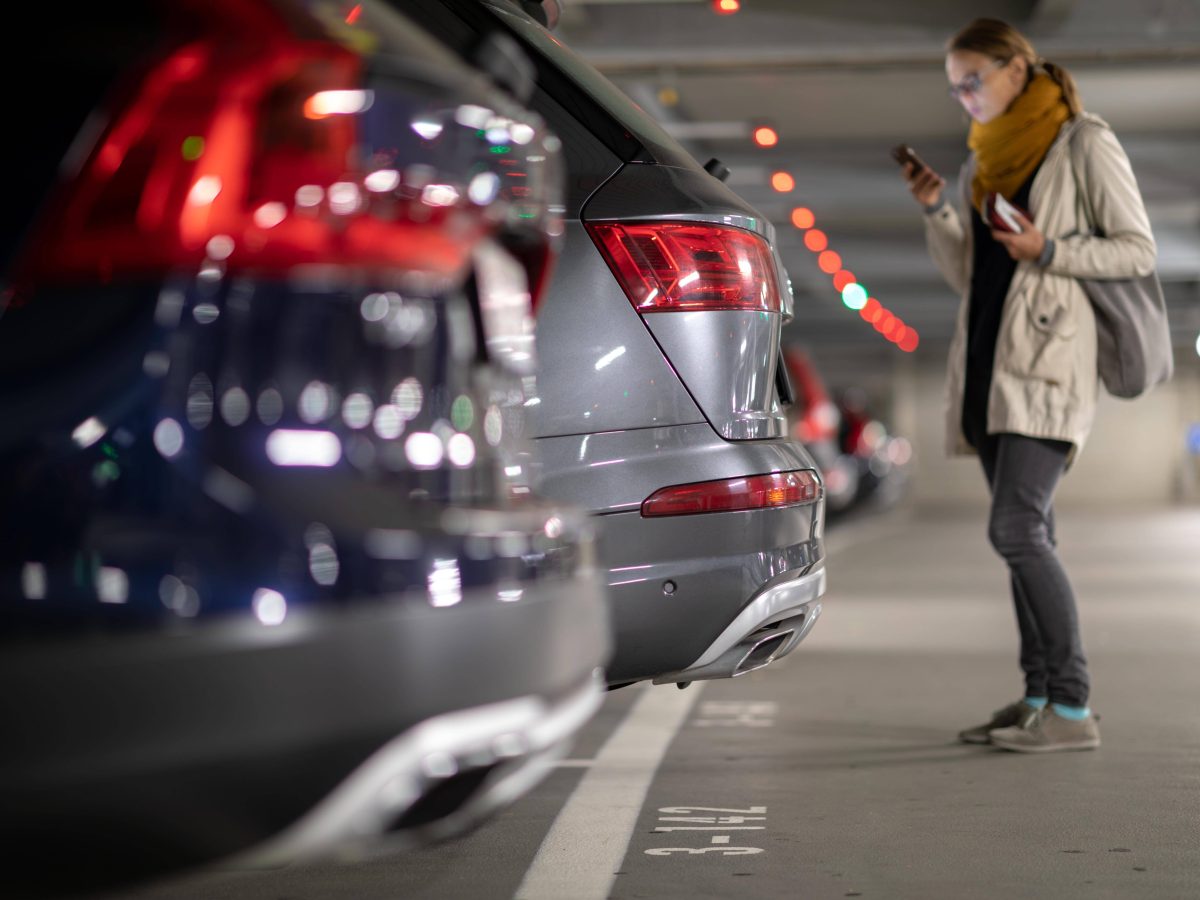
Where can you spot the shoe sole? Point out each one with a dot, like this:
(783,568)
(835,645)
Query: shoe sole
(1045,748)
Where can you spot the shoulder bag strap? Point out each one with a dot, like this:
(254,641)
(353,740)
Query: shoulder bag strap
(1076,170)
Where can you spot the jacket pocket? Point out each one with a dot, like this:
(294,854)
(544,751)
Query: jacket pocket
(1051,317)
(1050,326)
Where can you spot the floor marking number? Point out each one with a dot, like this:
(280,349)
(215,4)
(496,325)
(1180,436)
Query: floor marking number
(727,714)
(732,820)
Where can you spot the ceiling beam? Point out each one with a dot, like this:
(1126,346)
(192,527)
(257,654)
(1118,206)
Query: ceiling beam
(744,60)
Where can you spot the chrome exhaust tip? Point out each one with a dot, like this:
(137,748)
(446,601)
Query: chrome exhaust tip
(755,650)
(762,651)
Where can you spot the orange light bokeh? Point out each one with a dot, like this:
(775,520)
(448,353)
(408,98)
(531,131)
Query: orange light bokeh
(829,262)
(815,240)
(726,7)
(765,136)
(783,182)
(843,278)
(803,218)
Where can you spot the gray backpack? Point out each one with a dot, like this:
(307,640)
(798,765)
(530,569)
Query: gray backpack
(1132,333)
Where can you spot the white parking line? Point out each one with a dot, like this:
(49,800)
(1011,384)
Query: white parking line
(582,851)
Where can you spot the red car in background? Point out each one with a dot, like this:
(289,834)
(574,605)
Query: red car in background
(815,421)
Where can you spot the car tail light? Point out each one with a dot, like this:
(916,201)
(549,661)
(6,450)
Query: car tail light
(689,266)
(236,150)
(773,491)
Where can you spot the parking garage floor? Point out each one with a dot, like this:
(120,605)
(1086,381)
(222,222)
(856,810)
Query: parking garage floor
(834,772)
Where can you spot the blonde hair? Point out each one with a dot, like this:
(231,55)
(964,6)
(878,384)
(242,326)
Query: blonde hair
(999,40)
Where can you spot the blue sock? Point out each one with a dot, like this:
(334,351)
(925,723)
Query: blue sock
(1035,702)
(1074,713)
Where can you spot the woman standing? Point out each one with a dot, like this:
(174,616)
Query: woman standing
(1022,383)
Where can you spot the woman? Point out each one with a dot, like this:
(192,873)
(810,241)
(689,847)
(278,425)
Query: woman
(1022,383)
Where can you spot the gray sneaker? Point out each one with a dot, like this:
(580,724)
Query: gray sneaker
(1013,714)
(1048,732)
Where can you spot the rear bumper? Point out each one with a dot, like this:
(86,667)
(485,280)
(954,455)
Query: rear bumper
(677,583)
(142,754)
(685,589)
(769,627)
(441,776)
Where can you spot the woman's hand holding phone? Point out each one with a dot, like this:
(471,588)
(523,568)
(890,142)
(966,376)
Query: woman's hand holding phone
(923,182)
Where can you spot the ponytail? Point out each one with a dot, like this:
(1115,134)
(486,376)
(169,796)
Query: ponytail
(1064,80)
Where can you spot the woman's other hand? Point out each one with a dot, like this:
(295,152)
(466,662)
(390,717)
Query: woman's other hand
(924,183)
(1027,245)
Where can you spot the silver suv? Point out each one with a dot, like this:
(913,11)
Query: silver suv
(661,394)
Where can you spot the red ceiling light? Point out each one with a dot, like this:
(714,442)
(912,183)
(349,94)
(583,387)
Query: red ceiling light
(845,282)
(766,136)
(783,182)
(842,279)
(803,218)
(726,7)
(829,262)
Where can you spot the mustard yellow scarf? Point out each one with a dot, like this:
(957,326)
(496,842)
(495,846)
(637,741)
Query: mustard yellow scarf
(1008,148)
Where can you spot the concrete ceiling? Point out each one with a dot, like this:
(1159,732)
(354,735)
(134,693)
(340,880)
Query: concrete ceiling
(843,80)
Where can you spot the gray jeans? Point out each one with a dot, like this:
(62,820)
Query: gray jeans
(1023,473)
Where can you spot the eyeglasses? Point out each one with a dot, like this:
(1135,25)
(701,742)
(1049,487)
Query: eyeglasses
(973,82)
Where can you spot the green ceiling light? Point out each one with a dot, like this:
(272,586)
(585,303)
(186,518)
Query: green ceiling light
(854,295)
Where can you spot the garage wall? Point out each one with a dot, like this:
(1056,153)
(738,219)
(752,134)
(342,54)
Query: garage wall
(1137,454)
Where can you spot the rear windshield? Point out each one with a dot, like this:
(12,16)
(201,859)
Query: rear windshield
(573,83)
(659,146)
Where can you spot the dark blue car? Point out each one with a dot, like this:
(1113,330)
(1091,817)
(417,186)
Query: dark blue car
(271,577)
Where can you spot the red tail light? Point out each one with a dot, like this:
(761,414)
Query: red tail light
(684,267)
(772,491)
(238,150)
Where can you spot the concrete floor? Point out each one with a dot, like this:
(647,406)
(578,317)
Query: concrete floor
(848,744)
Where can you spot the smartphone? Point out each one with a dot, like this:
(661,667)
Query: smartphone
(904,154)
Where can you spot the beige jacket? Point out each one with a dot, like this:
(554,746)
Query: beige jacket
(1044,381)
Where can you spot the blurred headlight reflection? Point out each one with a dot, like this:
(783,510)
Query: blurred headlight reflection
(289,447)
(88,432)
(270,607)
(445,583)
(338,103)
